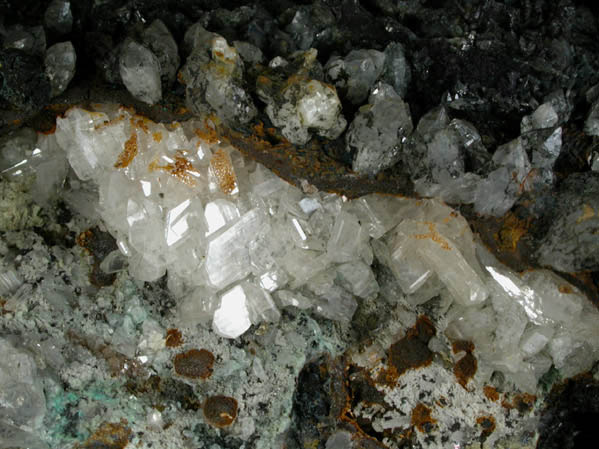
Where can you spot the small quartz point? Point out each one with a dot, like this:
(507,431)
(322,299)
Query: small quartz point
(302,105)
(114,262)
(16,150)
(60,66)
(30,40)
(58,17)
(356,73)
(22,400)
(140,71)
(379,131)
(9,282)
(397,71)
(213,74)
(161,42)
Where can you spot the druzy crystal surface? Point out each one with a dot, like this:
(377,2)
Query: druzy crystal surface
(238,244)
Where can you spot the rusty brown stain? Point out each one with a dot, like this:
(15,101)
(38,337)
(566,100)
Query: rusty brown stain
(491,393)
(566,289)
(422,419)
(108,123)
(512,230)
(434,236)
(157,136)
(83,240)
(129,152)
(462,345)
(587,213)
(465,368)
(488,425)
(220,411)
(209,133)
(410,352)
(524,401)
(222,168)
(181,169)
(173,338)
(109,436)
(141,123)
(195,364)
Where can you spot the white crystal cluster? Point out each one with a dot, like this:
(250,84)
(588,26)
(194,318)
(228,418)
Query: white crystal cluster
(238,244)
(302,106)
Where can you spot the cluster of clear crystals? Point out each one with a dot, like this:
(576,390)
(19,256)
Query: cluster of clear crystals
(379,131)
(213,74)
(238,244)
(145,67)
(439,152)
(356,73)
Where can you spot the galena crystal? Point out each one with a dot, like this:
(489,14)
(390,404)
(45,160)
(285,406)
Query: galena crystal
(238,244)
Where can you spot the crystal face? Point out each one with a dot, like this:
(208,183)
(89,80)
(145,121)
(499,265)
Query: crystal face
(238,244)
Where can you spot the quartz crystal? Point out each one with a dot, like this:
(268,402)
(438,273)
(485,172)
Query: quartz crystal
(30,40)
(60,66)
(140,72)
(213,75)
(397,71)
(161,42)
(59,17)
(356,73)
(379,131)
(22,401)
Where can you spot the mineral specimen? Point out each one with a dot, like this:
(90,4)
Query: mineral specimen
(301,104)
(356,73)
(160,41)
(229,234)
(140,72)
(60,66)
(378,133)
(213,75)
(59,17)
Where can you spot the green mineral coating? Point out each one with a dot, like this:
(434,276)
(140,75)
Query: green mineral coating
(549,379)
(56,414)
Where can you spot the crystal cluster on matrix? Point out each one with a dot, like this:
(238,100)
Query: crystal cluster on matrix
(238,244)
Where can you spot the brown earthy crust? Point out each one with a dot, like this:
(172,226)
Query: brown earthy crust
(173,338)
(222,168)
(422,419)
(194,364)
(220,411)
(129,152)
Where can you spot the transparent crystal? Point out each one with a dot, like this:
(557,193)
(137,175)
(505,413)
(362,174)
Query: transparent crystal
(60,66)
(140,72)
(378,131)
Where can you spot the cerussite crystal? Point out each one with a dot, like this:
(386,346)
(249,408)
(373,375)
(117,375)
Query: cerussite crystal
(237,243)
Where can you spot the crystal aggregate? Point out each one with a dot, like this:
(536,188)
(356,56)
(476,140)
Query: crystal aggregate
(238,244)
